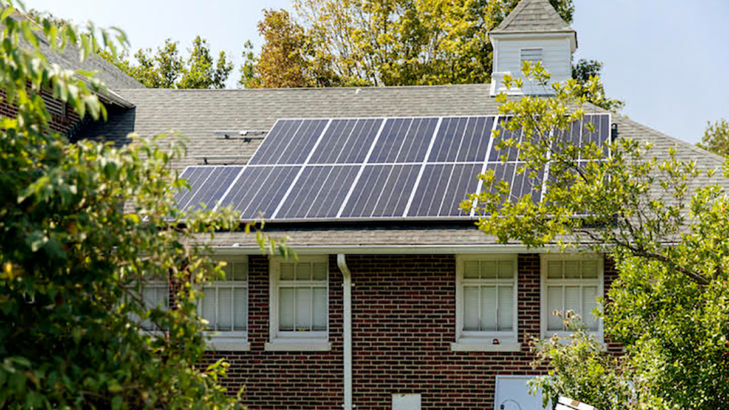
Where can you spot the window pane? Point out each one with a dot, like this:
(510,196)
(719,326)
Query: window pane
(241,308)
(489,270)
(506,307)
(228,269)
(572,270)
(589,269)
(320,309)
(303,308)
(470,270)
(572,300)
(286,309)
(554,302)
(303,271)
(471,295)
(488,308)
(240,271)
(589,304)
(554,271)
(225,309)
(320,271)
(208,306)
(506,270)
(287,271)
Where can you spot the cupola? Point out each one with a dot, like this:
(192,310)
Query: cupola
(533,31)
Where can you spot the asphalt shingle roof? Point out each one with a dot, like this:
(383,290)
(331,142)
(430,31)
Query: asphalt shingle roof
(197,113)
(531,16)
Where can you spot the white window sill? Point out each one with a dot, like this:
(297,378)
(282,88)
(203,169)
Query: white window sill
(298,345)
(485,346)
(228,344)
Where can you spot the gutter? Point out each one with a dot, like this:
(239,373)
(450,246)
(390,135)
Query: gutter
(347,329)
(393,249)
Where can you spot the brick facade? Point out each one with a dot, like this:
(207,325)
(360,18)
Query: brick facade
(403,322)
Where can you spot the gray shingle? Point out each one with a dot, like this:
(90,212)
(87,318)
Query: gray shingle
(531,16)
(196,113)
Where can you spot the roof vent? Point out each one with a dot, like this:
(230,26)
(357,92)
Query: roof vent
(533,31)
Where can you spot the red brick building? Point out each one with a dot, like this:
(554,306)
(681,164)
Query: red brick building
(378,312)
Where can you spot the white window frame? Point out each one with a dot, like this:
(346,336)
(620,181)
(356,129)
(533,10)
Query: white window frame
(545,258)
(310,340)
(484,340)
(521,55)
(230,340)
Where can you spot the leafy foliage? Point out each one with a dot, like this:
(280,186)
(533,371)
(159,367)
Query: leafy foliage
(716,138)
(579,367)
(665,222)
(167,68)
(72,263)
(384,42)
(585,70)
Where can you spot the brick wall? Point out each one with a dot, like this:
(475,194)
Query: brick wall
(403,315)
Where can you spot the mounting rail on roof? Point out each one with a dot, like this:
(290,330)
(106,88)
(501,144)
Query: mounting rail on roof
(205,158)
(248,135)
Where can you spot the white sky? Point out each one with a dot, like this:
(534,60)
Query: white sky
(669,59)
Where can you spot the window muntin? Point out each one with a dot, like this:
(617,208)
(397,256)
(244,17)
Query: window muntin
(571,283)
(531,54)
(487,294)
(225,301)
(300,298)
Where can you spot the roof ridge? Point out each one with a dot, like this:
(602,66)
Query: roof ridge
(533,16)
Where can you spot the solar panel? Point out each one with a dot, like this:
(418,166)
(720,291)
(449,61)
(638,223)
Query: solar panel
(208,185)
(374,168)
(259,190)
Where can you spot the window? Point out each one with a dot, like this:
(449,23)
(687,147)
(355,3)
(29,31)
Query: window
(531,54)
(155,295)
(225,306)
(299,304)
(570,282)
(486,297)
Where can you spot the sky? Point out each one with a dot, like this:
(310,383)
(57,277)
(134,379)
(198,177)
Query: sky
(668,59)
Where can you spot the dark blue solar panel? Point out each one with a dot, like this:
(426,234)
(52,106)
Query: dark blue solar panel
(289,142)
(319,192)
(508,153)
(579,133)
(382,191)
(195,177)
(404,140)
(442,189)
(210,186)
(462,139)
(346,141)
(259,190)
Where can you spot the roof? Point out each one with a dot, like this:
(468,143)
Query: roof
(533,16)
(197,113)
(108,73)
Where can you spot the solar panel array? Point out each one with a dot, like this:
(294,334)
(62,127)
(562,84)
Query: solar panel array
(370,169)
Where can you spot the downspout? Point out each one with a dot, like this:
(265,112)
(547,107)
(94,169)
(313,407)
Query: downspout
(347,331)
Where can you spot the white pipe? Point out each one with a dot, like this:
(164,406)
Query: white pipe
(347,331)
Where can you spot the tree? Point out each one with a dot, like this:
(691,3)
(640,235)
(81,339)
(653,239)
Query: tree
(73,263)
(585,70)
(286,58)
(662,223)
(716,138)
(166,68)
(387,42)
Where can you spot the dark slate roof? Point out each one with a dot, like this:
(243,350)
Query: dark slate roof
(197,113)
(69,59)
(531,16)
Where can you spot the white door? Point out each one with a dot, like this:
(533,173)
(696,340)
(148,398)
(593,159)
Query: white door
(512,393)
